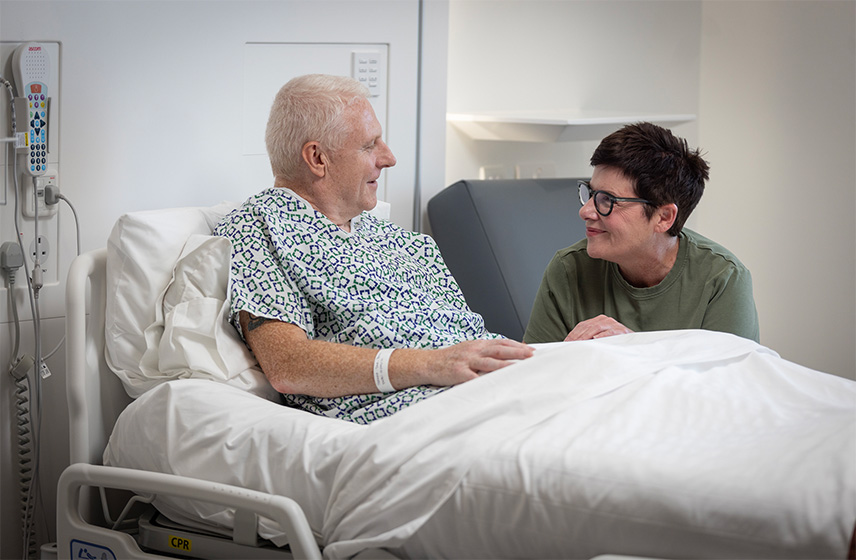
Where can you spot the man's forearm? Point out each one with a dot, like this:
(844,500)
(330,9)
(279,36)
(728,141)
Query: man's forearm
(296,365)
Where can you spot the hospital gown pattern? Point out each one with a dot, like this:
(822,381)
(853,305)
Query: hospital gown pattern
(379,286)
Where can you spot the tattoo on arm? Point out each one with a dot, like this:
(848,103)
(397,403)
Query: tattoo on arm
(256,322)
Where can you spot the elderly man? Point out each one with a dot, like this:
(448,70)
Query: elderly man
(639,269)
(323,292)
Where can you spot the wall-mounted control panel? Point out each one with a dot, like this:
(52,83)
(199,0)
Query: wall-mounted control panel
(369,67)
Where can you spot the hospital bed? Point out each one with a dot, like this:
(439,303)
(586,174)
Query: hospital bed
(687,444)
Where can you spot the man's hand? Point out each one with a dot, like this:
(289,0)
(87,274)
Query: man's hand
(598,327)
(467,360)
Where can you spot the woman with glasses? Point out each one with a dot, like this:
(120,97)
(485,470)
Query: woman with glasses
(639,269)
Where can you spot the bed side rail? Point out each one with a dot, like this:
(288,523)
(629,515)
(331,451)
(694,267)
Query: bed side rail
(95,395)
(75,534)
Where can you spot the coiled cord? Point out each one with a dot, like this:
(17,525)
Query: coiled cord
(25,441)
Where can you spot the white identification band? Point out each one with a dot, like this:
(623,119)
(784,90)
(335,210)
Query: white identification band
(381,371)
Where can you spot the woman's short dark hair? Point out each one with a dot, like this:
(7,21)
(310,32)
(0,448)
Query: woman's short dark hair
(661,166)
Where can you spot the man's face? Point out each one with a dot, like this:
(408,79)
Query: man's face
(355,168)
(626,234)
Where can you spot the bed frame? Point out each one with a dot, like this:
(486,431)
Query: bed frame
(88,491)
(85,528)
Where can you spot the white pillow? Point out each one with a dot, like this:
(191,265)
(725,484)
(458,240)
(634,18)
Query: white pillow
(167,307)
(197,340)
(142,253)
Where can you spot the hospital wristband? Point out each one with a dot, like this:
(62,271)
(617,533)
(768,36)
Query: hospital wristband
(381,371)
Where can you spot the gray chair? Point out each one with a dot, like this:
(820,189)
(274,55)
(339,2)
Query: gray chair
(497,237)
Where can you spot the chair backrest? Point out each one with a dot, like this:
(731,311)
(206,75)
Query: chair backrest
(497,237)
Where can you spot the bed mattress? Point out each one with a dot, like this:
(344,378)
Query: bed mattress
(683,444)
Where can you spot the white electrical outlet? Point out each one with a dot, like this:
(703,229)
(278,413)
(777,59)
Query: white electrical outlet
(495,172)
(535,170)
(29,207)
(40,246)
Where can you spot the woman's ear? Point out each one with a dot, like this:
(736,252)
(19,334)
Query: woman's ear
(665,217)
(315,158)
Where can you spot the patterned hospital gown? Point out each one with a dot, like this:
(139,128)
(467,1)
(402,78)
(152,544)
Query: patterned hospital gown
(379,286)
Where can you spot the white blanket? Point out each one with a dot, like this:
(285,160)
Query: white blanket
(691,443)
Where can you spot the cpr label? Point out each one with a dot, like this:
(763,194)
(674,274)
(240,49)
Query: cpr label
(179,543)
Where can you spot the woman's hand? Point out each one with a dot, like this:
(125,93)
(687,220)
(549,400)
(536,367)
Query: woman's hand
(598,327)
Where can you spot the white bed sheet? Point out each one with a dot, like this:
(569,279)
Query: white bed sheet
(683,444)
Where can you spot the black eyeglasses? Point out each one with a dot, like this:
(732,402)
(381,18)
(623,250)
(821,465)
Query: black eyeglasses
(603,201)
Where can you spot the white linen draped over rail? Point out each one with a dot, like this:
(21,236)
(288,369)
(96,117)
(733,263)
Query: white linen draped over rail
(686,443)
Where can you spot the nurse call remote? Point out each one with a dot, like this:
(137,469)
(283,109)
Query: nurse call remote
(31,65)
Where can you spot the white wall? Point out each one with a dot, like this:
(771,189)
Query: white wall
(571,57)
(778,119)
(772,84)
(150,117)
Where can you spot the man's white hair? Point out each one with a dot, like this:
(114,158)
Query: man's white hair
(308,108)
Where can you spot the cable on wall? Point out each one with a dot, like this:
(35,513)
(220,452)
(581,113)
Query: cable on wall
(28,391)
(21,365)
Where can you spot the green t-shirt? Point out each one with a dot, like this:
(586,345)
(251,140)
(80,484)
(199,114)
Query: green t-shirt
(707,288)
